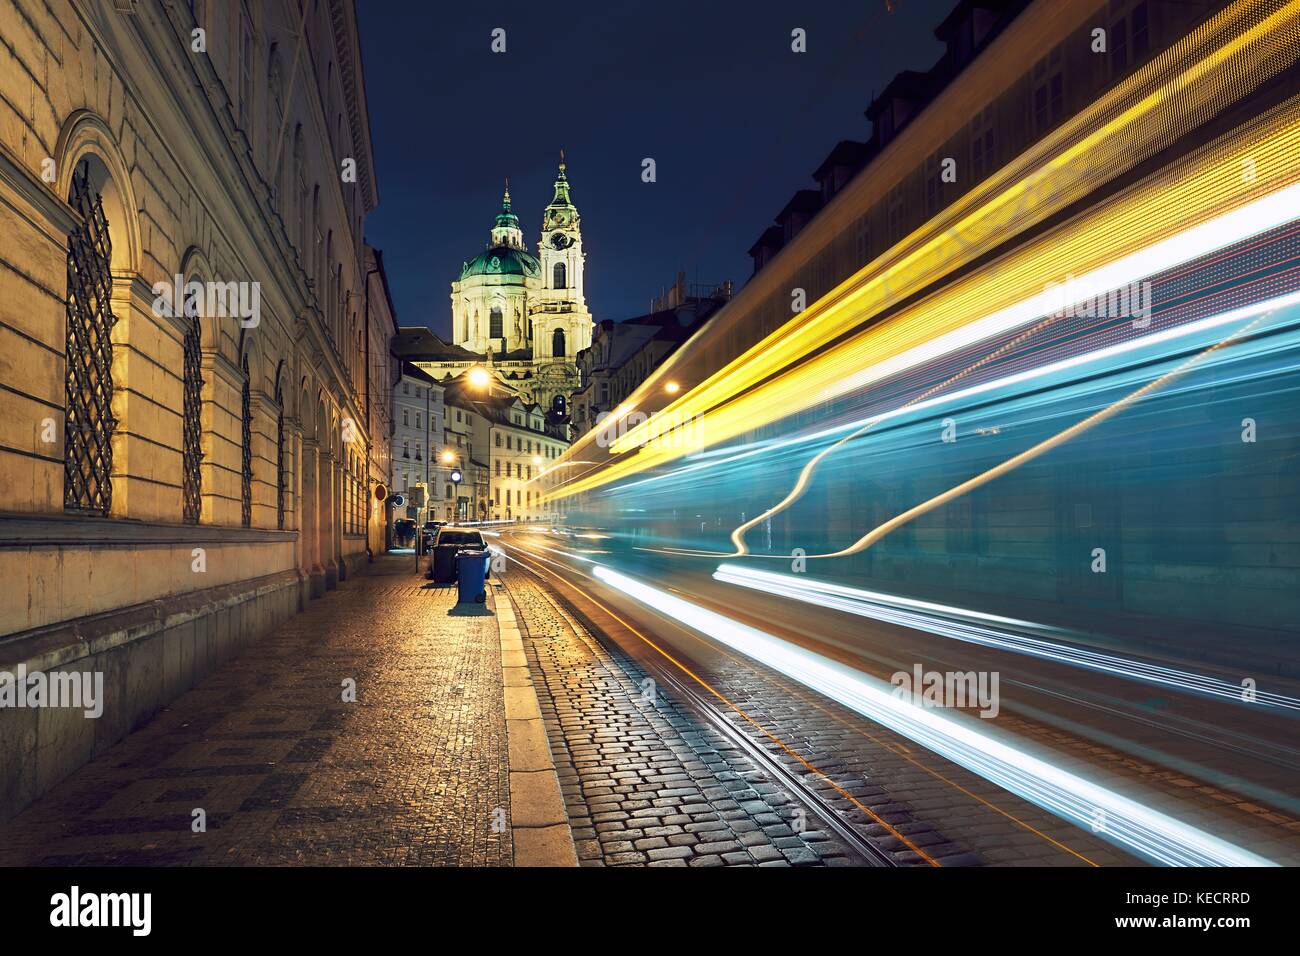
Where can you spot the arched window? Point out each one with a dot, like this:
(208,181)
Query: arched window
(279,456)
(318,252)
(557,343)
(559,274)
(89,422)
(495,325)
(191,420)
(246,435)
(274,139)
(300,235)
(558,405)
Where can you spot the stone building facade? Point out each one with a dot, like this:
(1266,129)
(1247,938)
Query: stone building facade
(195,383)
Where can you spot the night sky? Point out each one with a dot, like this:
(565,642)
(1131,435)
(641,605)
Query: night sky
(710,89)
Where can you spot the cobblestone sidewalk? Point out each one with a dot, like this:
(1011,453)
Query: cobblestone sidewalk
(646,783)
(286,771)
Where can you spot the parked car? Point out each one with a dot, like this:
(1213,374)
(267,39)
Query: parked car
(446,546)
(430,531)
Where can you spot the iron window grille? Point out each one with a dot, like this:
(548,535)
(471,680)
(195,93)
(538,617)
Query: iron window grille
(247,438)
(192,425)
(88,419)
(279,458)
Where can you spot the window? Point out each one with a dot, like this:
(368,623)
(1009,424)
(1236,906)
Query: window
(981,145)
(301,211)
(498,467)
(419,448)
(498,439)
(1129,38)
(191,425)
(406,448)
(245,77)
(933,186)
(89,425)
(417,420)
(246,429)
(557,344)
(862,240)
(895,213)
(280,480)
(509,442)
(406,417)
(559,276)
(494,323)
(1049,92)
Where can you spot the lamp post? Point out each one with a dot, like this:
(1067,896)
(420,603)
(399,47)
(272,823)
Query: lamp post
(456,478)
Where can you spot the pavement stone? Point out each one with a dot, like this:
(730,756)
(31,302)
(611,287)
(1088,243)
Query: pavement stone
(414,772)
(640,770)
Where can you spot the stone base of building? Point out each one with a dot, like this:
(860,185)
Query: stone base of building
(149,654)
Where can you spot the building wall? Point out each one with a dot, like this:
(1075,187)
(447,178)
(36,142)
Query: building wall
(218,166)
(520,453)
(418,439)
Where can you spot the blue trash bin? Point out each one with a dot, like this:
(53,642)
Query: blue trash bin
(472,572)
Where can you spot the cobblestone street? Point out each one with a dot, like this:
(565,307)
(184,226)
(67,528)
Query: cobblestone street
(644,781)
(286,771)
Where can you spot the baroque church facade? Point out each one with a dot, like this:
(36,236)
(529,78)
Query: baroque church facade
(521,315)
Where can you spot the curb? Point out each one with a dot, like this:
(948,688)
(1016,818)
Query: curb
(539,821)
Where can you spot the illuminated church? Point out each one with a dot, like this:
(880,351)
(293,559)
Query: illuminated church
(522,316)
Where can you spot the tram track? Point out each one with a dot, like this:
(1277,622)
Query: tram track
(701,700)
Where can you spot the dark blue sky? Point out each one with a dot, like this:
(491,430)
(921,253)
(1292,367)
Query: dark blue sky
(735,121)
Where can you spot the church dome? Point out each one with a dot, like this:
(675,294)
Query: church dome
(503,260)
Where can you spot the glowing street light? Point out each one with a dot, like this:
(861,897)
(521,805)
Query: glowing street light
(672,388)
(479,377)
(537,459)
(448,457)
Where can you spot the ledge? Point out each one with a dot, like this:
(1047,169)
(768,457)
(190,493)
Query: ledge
(53,531)
(60,643)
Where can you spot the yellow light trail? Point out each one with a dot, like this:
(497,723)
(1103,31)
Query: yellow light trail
(1159,208)
(1062,178)
(1206,186)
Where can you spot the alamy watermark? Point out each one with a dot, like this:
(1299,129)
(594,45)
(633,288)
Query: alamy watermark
(221,300)
(78,690)
(663,430)
(958,689)
(1073,298)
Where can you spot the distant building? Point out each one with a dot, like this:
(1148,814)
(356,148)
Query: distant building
(624,354)
(503,448)
(522,316)
(417,436)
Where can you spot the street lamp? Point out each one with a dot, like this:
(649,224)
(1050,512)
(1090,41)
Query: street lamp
(456,479)
(672,388)
(479,377)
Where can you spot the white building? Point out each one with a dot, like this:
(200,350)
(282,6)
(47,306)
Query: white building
(419,419)
(522,316)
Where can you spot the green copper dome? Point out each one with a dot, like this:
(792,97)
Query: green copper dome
(503,260)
